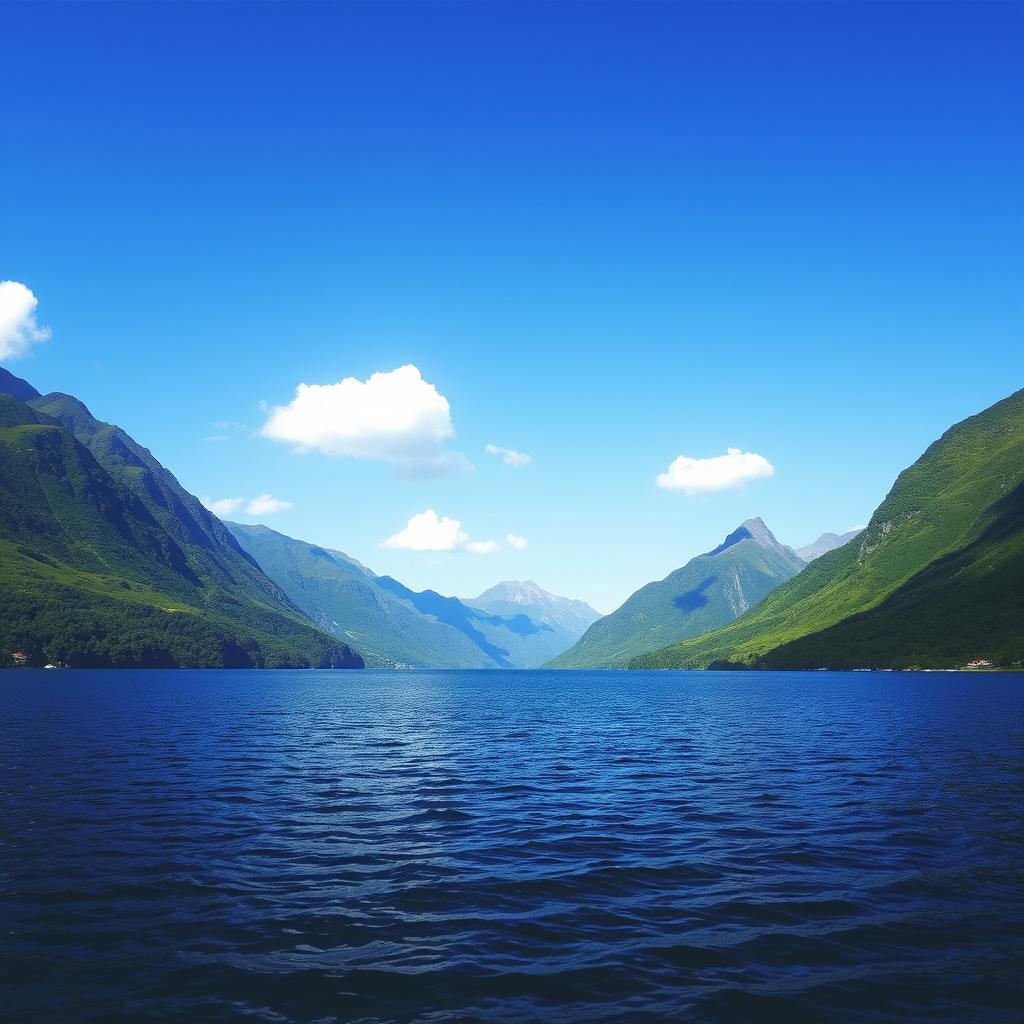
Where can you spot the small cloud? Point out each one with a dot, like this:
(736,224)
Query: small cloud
(18,327)
(695,476)
(395,417)
(426,531)
(264,505)
(222,507)
(216,437)
(517,542)
(510,456)
(267,504)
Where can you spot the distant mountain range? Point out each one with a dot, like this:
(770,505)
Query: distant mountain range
(566,617)
(935,579)
(106,560)
(394,626)
(706,593)
(825,543)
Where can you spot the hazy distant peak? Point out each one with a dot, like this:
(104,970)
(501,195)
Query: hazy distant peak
(514,596)
(518,592)
(825,543)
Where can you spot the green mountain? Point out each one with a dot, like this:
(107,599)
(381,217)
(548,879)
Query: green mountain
(391,625)
(345,598)
(16,387)
(709,591)
(105,560)
(936,578)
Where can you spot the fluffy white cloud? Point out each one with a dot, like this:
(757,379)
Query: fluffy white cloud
(427,531)
(223,506)
(716,474)
(18,327)
(396,417)
(266,504)
(510,456)
(515,541)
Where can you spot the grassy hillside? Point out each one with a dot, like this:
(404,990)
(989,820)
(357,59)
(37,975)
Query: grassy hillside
(346,599)
(945,531)
(709,591)
(387,622)
(89,575)
(968,604)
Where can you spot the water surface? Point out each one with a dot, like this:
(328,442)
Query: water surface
(511,846)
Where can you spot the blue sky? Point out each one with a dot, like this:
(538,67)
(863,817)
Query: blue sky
(607,236)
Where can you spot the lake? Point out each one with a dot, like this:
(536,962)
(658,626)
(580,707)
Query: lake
(511,846)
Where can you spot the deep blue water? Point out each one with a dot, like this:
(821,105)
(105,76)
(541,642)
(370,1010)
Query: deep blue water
(474,846)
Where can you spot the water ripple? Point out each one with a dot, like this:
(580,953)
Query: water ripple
(473,847)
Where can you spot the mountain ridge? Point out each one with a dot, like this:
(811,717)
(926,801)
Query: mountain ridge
(935,516)
(98,569)
(391,624)
(709,590)
(569,615)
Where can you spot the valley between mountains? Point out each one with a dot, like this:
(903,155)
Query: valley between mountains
(107,561)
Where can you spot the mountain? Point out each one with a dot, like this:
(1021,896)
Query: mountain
(511,641)
(523,597)
(106,560)
(390,624)
(345,598)
(825,543)
(709,591)
(16,387)
(935,579)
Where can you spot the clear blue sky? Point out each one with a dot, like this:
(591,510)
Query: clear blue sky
(608,235)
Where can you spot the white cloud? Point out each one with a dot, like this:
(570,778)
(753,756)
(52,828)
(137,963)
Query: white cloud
(695,476)
(396,417)
(510,456)
(216,437)
(223,506)
(266,504)
(18,327)
(517,542)
(426,531)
